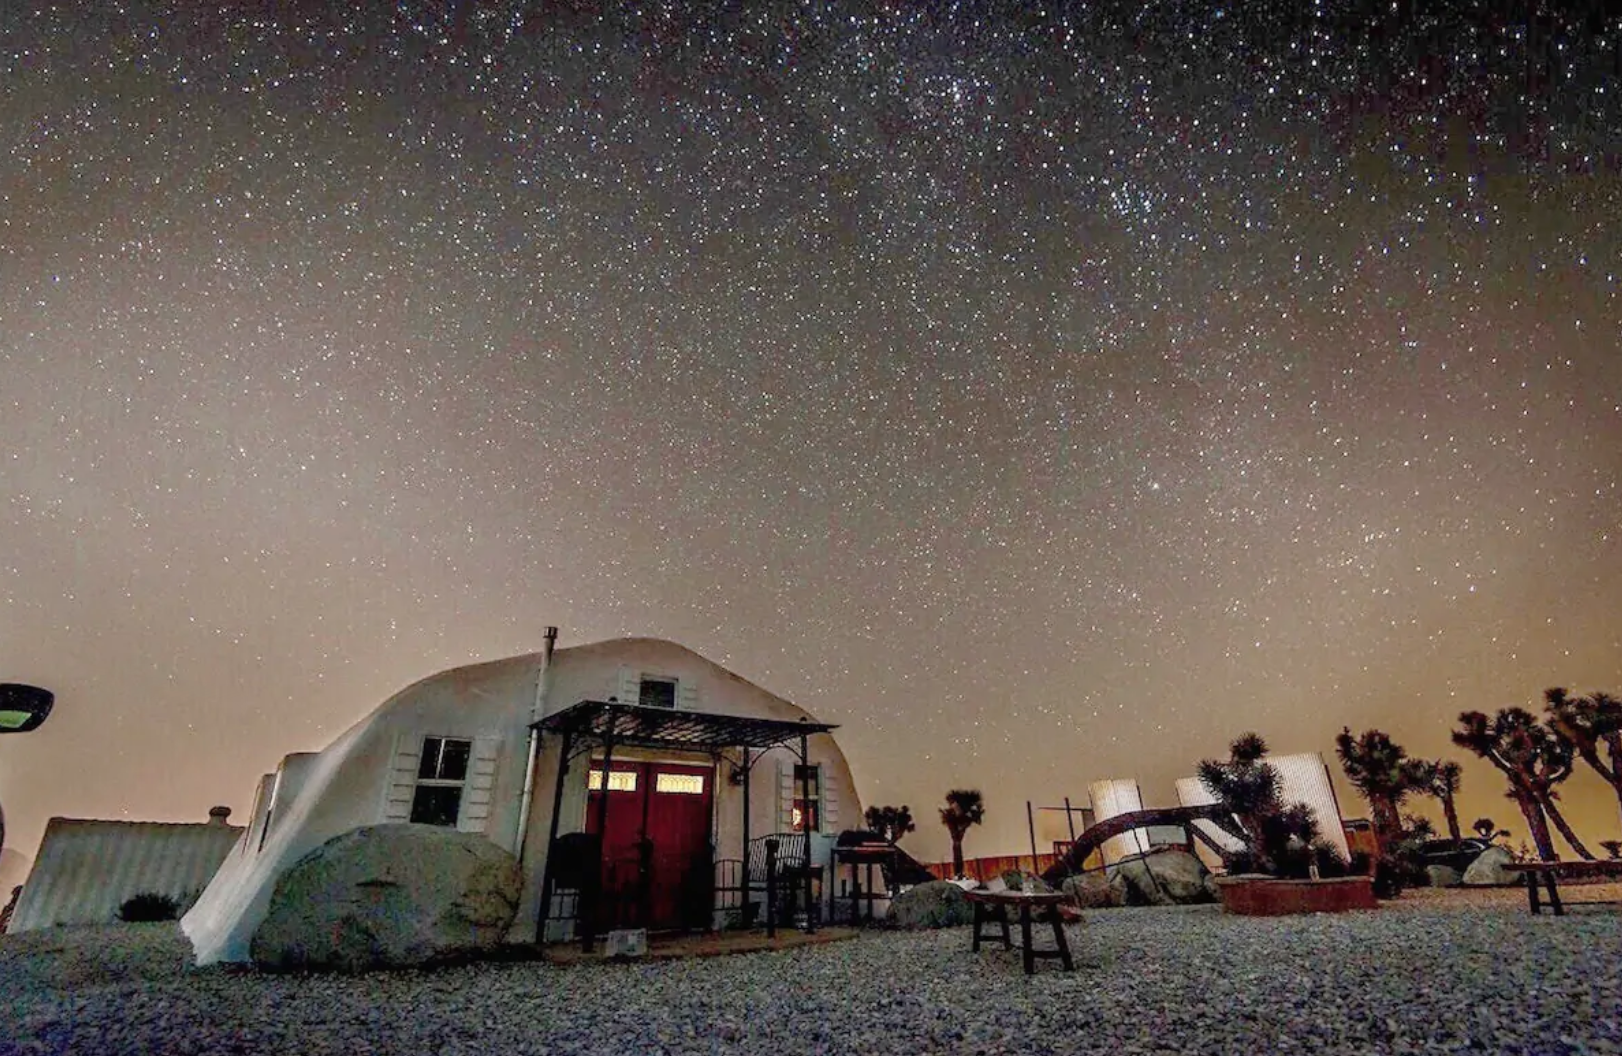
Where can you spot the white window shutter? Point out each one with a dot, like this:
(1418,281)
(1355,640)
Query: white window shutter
(830,800)
(686,695)
(785,794)
(630,686)
(401,783)
(481,780)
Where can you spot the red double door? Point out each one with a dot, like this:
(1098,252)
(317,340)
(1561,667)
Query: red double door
(657,871)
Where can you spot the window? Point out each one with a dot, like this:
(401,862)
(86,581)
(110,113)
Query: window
(657,693)
(618,780)
(441,773)
(680,784)
(807,798)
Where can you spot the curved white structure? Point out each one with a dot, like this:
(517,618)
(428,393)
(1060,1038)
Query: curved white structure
(455,748)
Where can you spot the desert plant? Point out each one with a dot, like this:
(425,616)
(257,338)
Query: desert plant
(149,906)
(1381,770)
(1612,848)
(1279,837)
(1534,760)
(1488,830)
(890,823)
(964,807)
(1445,776)
(1589,725)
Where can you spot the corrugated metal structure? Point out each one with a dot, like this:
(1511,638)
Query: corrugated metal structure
(1114,797)
(87,869)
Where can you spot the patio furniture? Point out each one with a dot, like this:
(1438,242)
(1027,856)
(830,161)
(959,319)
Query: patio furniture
(778,869)
(991,907)
(865,857)
(1550,872)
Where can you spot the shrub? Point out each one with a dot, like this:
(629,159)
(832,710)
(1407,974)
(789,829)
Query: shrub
(149,906)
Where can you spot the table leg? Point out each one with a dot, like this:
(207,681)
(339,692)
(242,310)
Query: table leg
(1554,896)
(1025,937)
(979,919)
(1059,940)
(1532,893)
(1007,940)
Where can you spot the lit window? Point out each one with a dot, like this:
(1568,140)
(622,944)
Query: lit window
(807,810)
(618,781)
(657,693)
(441,773)
(680,784)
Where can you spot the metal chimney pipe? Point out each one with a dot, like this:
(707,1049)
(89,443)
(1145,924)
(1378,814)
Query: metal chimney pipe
(536,711)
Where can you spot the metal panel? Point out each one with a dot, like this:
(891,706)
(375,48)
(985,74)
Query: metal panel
(1113,797)
(87,869)
(1191,792)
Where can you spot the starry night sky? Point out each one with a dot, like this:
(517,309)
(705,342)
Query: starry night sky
(1043,395)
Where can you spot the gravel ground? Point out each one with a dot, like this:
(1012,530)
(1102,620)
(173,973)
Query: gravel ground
(1434,972)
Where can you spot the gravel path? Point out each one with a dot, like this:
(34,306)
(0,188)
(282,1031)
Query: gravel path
(1422,975)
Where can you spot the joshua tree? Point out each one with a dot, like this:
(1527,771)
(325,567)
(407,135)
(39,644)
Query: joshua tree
(1590,725)
(1381,770)
(1281,838)
(891,823)
(1445,776)
(964,807)
(1488,830)
(1534,760)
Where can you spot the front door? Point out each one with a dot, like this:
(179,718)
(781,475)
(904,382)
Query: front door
(656,850)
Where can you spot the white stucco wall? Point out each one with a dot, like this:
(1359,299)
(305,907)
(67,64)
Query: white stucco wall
(350,783)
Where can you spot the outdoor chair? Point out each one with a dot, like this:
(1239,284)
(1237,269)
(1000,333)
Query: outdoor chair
(750,888)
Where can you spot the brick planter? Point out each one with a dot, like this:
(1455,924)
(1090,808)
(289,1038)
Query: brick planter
(1266,897)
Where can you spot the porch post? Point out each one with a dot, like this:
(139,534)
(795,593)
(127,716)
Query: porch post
(552,838)
(595,884)
(805,825)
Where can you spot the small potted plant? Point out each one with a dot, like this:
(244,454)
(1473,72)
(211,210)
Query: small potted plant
(1282,866)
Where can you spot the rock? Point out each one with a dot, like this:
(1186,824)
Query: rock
(389,896)
(1488,869)
(1161,878)
(937,904)
(1092,891)
(1443,876)
(1017,880)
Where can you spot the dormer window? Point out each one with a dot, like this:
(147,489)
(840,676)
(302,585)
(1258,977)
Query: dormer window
(657,693)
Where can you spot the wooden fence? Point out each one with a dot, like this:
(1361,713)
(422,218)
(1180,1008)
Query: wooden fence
(983,869)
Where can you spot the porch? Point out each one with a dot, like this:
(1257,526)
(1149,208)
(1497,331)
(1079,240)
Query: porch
(649,853)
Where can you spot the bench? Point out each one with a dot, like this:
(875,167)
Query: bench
(991,907)
(781,872)
(1549,872)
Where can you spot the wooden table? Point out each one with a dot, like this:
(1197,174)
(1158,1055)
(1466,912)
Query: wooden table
(992,907)
(1550,871)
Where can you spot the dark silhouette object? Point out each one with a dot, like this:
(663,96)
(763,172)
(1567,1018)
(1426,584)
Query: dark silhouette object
(1281,839)
(891,823)
(1534,761)
(1612,848)
(1589,725)
(149,907)
(23,708)
(1488,830)
(1075,858)
(964,807)
(1382,772)
(1445,778)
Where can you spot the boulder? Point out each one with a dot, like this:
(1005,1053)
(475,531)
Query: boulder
(1092,891)
(937,904)
(1443,876)
(1161,878)
(1017,880)
(1488,869)
(389,896)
